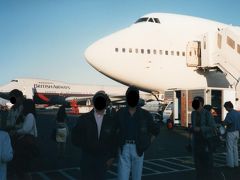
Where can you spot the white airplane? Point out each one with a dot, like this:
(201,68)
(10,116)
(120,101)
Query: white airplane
(51,92)
(163,51)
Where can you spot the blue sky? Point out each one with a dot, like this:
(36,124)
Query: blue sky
(47,38)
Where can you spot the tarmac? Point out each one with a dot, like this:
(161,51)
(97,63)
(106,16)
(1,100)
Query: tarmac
(167,158)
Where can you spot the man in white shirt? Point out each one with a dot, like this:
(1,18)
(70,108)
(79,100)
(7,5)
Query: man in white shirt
(6,153)
(95,135)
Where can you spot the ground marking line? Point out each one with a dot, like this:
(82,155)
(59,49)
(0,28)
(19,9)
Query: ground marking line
(66,175)
(176,164)
(172,169)
(43,176)
(111,172)
(150,169)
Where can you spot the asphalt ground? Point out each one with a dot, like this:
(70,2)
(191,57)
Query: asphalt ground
(167,158)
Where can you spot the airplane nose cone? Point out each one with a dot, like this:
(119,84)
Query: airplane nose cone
(89,54)
(93,55)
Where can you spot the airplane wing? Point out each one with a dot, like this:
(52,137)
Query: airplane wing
(4,95)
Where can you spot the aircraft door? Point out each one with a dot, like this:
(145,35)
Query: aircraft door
(177,107)
(193,54)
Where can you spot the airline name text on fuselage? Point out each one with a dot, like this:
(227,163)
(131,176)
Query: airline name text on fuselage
(52,86)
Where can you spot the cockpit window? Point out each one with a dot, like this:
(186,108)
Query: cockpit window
(147,19)
(142,20)
(156,20)
(150,20)
(14,80)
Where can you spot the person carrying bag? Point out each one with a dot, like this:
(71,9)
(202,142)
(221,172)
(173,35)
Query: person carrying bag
(26,147)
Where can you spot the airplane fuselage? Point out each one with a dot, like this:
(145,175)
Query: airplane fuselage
(151,54)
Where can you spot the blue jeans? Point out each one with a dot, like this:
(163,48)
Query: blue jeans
(129,160)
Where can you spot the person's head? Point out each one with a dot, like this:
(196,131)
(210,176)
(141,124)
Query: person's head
(28,107)
(132,96)
(16,97)
(208,107)
(61,114)
(197,103)
(100,101)
(228,105)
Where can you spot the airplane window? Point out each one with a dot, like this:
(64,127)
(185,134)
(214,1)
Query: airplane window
(238,49)
(160,52)
(183,53)
(172,53)
(142,51)
(136,50)
(130,50)
(142,20)
(154,51)
(178,53)
(116,49)
(123,49)
(166,52)
(231,42)
(148,51)
(150,20)
(156,20)
(190,53)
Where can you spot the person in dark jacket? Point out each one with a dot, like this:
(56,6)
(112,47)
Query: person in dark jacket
(232,121)
(95,135)
(135,128)
(202,129)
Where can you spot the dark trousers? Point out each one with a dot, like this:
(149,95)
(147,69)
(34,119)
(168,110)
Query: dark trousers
(93,167)
(203,164)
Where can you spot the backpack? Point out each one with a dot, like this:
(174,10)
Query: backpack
(61,134)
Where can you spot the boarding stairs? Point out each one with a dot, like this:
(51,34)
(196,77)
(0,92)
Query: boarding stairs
(219,51)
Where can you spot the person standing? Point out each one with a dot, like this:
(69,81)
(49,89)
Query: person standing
(232,121)
(26,139)
(61,130)
(6,154)
(202,129)
(95,135)
(135,127)
(15,117)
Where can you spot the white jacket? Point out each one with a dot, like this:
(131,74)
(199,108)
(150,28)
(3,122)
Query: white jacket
(6,153)
(29,125)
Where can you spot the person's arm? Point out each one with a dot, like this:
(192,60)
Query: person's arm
(77,131)
(7,152)
(228,120)
(27,124)
(115,141)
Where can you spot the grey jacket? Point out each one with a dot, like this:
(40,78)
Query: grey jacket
(207,123)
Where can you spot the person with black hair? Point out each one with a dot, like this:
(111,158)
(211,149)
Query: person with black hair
(61,130)
(25,144)
(15,117)
(136,130)
(232,121)
(202,126)
(96,136)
